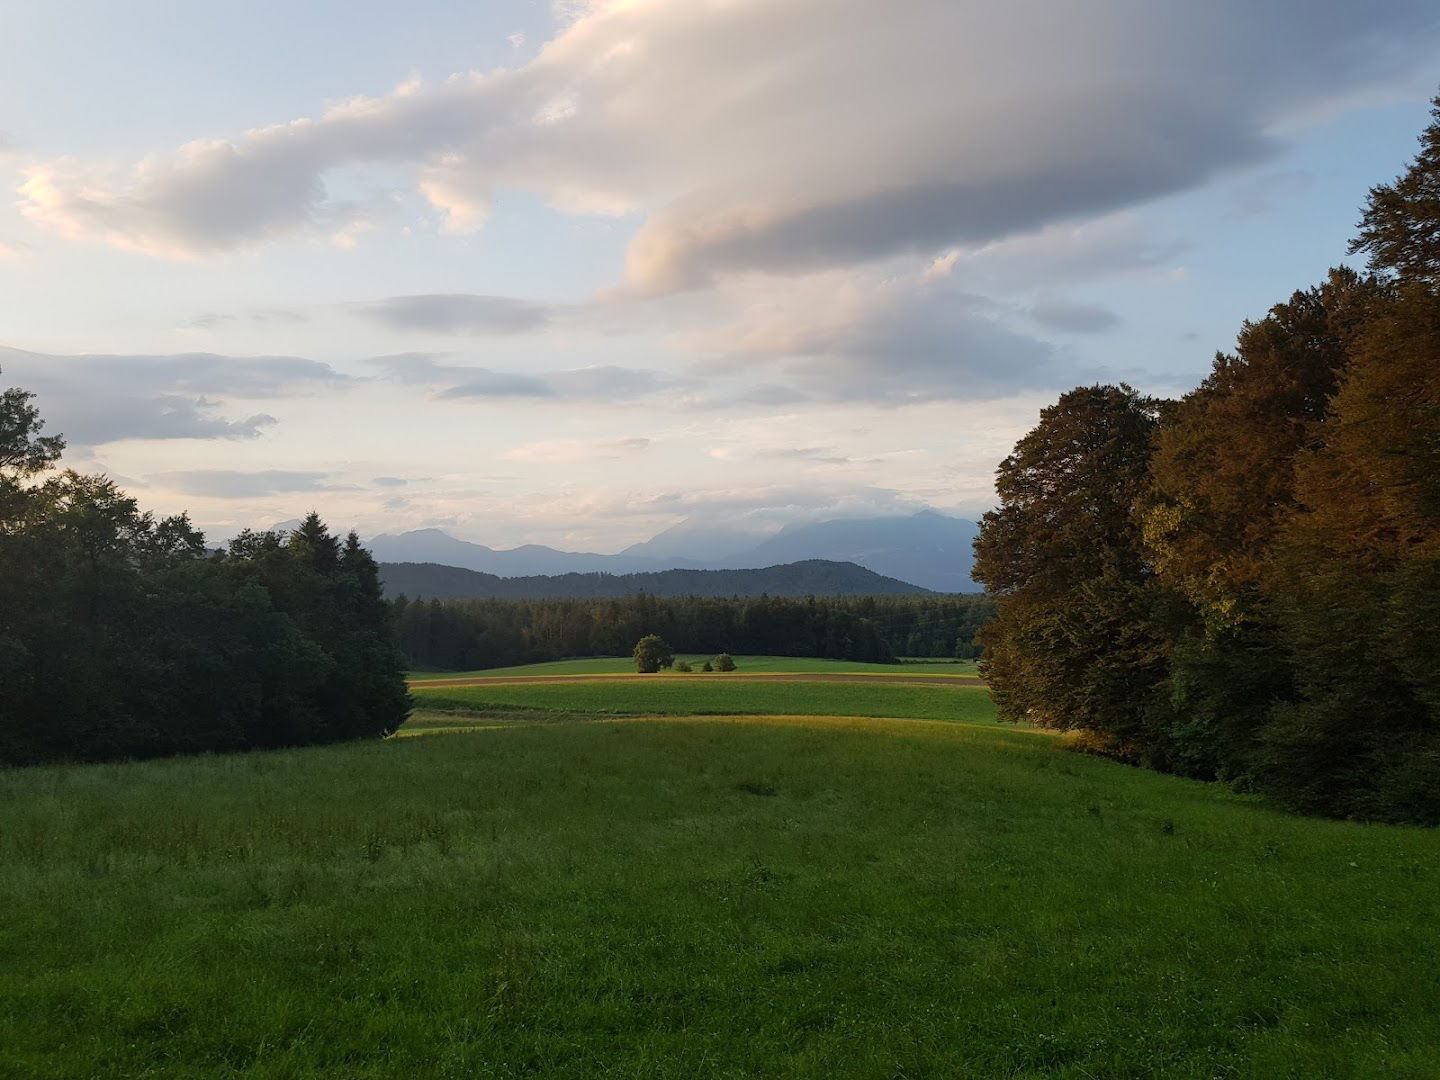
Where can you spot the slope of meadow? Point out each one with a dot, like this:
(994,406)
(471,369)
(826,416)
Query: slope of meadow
(701,896)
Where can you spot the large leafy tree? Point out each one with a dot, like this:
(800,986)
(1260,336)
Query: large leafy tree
(651,654)
(23,450)
(1359,592)
(1222,484)
(1285,598)
(1074,643)
(1358,555)
(1223,472)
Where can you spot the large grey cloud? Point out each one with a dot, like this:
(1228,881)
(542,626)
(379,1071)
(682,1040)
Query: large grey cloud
(234,484)
(453,382)
(858,338)
(1072,317)
(451,313)
(97,398)
(788,136)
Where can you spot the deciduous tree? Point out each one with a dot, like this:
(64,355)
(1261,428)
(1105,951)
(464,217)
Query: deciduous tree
(651,654)
(1074,643)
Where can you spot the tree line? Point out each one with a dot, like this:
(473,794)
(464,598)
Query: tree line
(121,636)
(1245,584)
(466,635)
(809,577)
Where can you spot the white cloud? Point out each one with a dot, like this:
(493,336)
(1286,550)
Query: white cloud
(570,451)
(786,136)
(95,399)
(455,382)
(462,199)
(233,484)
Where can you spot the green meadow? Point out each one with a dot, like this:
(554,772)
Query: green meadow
(616,665)
(703,697)
(571,892)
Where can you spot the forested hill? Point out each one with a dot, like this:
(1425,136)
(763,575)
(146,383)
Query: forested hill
(815,577)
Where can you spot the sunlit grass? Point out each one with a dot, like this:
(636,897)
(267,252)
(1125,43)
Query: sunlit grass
(581,894)
(565,887)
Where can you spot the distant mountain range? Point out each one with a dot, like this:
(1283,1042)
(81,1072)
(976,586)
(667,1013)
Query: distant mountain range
(928,549)
(812,577)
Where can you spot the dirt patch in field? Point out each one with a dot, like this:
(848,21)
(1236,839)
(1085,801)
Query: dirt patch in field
(956,681)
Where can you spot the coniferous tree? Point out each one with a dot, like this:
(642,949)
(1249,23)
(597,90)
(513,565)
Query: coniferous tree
(121,637)
(1400,229)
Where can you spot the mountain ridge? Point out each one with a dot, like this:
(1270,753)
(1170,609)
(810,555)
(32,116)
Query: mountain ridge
(927,548)
(811,577)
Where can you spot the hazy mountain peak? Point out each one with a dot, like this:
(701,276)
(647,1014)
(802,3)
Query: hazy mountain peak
(925,548)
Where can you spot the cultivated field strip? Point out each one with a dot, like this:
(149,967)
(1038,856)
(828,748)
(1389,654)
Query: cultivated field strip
(970,681)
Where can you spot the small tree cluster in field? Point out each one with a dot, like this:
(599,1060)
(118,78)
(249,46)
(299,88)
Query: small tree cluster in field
(707,666)
(651,654)
(683,666)
(724,662)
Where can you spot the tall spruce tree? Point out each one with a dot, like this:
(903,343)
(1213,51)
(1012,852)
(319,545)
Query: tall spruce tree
(1400,228)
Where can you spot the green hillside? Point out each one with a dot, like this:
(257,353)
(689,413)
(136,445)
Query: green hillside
(702,897)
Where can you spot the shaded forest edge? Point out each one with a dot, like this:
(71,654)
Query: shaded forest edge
(1245,584)
(121,636)
(476,634)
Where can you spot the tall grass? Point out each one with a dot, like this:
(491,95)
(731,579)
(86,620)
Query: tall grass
(701,897)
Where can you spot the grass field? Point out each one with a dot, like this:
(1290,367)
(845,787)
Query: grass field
(614,665)
(565,896)
(719,696)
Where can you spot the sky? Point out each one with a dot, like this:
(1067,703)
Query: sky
(575,273)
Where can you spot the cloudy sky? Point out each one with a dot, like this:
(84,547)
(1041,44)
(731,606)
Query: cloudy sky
(572,273)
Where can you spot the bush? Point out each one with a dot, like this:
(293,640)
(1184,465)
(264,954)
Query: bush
(724,662)
(683,666)
(707,666)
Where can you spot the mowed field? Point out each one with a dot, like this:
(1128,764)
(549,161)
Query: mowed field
(623,665)
(569,698)
(891,886)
